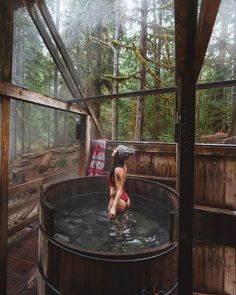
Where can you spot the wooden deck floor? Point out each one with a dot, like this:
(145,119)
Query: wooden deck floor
(22,263)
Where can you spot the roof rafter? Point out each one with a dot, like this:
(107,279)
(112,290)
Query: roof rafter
(155,91)
(59,43)
(65,68)
(207,17)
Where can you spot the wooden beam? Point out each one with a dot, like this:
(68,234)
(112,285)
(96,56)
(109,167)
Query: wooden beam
(23,205)
(210,224)
(24,187)
(186,26)
(218,84)
(180,37)
(22,224)
(59,43)
(33,97)
(66,58)
(126,94)
(28,211)
(207,17)
(88,143)
(50,46)
(6,44)
(19,93)
(65,68)
(151,92)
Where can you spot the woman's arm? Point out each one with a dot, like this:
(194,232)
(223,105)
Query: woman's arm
(119,179)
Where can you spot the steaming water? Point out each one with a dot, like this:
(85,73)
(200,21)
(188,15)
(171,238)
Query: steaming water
(83,221)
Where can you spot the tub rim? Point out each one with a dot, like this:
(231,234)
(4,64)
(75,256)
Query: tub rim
(112,256)
(144,254)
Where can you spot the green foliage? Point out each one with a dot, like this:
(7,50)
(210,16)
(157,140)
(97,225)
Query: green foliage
(88,31)
(61,160)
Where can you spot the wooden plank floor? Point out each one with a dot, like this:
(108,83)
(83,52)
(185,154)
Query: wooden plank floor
(22,263)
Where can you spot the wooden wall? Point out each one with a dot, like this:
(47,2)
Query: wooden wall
(215,169)
(214,269)
(214,210)
(215,176)
(151,160)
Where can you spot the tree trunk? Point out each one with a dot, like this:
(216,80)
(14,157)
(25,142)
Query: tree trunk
(13,133)
(142,83)
(96,84)
(23,128)
(115,86)
(48,125)
(232,131)
(18,73)
(56,90)
(65,129)
(29,129)
(56,112)
(157,55)
(221,75)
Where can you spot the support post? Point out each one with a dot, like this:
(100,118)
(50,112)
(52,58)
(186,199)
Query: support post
(84,147)
(186,26)
(88,142)
(6,41)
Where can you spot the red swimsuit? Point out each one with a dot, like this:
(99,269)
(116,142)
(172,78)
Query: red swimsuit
(124,196)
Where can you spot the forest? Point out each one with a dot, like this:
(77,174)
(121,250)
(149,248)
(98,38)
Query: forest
(118,46)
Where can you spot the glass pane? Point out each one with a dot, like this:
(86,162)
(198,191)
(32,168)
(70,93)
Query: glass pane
(159,118)
(107,42)
(33,66)
(220,62)
(215,116)
(43,149)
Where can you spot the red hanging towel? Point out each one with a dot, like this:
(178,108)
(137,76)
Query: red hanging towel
(98,158)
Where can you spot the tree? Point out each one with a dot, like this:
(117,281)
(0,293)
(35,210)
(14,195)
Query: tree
(56,84)
(115,84)
(143,48)
(232,131)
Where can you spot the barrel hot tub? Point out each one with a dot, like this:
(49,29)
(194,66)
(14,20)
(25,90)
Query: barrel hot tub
(70,267)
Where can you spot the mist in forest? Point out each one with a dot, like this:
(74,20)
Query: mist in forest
(118,46)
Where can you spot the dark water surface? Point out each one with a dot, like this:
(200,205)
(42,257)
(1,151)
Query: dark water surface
(83,221)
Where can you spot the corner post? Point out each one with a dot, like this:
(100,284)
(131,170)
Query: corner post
(6,44)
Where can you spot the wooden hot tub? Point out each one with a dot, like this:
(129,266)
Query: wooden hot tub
(69,269)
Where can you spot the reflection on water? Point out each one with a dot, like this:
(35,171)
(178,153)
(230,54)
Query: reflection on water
(83,221)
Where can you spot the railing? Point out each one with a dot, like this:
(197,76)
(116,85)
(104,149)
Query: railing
(28,206)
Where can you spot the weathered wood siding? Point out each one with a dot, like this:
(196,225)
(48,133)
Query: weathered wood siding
(214,269)
(151,160)
(214,251)
(215,169)
(215,176)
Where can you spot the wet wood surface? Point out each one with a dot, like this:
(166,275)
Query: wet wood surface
(34,97)
(214,169)
(214,207)
(215,270)
(22,263)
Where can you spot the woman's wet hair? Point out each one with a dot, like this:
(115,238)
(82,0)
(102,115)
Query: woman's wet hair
(118,162)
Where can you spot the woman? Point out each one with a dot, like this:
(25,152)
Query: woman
(119,200)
